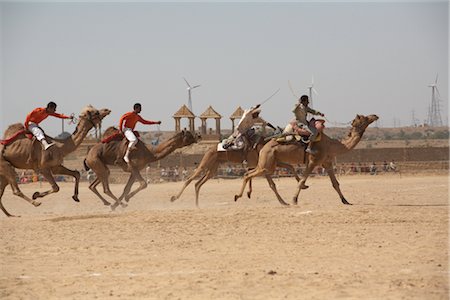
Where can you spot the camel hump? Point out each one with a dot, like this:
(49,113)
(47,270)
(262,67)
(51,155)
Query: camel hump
(13,129)
(110,131)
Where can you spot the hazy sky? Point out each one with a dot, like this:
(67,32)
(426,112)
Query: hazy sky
(365,58)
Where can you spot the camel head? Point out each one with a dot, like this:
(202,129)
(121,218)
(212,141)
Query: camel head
(93,116)
(361,122)
(189,138)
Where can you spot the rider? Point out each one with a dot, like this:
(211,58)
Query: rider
(37,116)
(126,126)
(301,110)
(248,119)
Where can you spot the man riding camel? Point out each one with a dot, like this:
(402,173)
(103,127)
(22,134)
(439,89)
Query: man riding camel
(126,126)
(248,120)
(37,116)
(301,110)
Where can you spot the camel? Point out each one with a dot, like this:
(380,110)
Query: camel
(24,153)
(103,154)
(213,158)
(294,153)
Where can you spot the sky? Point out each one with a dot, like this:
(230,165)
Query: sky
(365,58)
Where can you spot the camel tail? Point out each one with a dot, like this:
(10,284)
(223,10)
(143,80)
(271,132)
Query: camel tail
(86,167)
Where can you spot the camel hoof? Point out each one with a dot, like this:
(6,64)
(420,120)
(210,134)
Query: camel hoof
(173,198)
(249,195)
(304,186)
(36,203)
(106,203)
(75,198)
(295,201)
(236,197)
(35,195)
(346,202)
(284,203)
(13,216)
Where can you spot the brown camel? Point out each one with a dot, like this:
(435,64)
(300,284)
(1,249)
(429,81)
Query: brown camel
(104,154)
(24,153)
(327,149)
(213,158)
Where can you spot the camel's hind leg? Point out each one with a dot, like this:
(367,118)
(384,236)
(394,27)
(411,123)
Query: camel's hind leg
(125,192)
(3,185)
(186,183)
(208,175)
(301,185)
(250,174)
(8,176)
(55,188)
(93,188)
(329,168)
(274,189)
(75,174)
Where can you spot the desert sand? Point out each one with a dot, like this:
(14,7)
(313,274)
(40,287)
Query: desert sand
(391,244)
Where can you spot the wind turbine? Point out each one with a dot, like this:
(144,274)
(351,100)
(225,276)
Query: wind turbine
(189,88)
(434,111)
(312,90)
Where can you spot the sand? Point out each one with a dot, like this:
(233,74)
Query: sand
(391,244)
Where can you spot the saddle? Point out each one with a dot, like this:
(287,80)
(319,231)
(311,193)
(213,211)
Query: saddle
(15,136)
(118,136)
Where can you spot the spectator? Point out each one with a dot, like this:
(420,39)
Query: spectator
(385,166)
(373,169)
(392,166)
(184,174)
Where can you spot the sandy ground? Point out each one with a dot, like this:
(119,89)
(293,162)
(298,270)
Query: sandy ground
(391,244)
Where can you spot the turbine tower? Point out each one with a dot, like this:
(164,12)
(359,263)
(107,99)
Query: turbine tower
(434,112)
(189,88)
(312,90)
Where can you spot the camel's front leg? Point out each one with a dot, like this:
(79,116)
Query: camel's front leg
(142,184)
(274,189)
(329,168)
(75,174)
(125,192)
(55,188)
(301,185)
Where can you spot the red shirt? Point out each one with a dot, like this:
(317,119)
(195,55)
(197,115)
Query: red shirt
(130,119)
(40,114)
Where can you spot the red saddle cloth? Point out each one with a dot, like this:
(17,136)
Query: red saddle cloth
(15,136)
(118,136)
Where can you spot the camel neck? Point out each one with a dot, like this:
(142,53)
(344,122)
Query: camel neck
(348,143)
(165,148)
(77,137)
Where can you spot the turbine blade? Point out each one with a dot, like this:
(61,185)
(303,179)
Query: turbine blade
(437,75)
(187,82)
(195,86)
(315,92)
(312,80)
(292,90)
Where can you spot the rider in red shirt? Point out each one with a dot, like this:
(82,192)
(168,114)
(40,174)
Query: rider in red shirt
(37,116)
(128,122)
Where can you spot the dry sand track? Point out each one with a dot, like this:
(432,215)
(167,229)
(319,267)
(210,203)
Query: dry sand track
(392,244)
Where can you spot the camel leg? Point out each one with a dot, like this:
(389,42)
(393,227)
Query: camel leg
(329,168)
(186,183)
(125,192)
(142,185)
(301,185)
(208,175)
(75,174)
(253,173)
(93,188)
(290,168)
(3,185)
(9,177)
(250,188)
(274,189)
(55,188)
